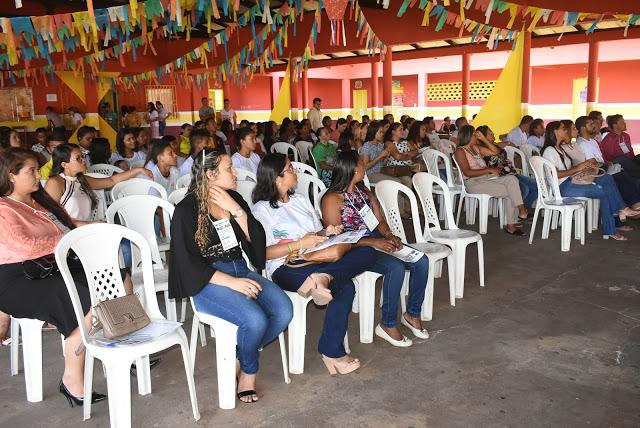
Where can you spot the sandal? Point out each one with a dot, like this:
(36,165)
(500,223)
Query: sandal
(517,232)
(616,237)
(321,296)
(628,213)
(625,228)
(247,393)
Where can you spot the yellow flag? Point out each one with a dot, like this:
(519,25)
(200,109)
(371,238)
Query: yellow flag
(283,105)
(502,110)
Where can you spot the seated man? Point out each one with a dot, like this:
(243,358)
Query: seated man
(518,135)
(245,158)
(616,146)
(460,122)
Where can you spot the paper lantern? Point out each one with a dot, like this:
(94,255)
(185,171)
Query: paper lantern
(335,9)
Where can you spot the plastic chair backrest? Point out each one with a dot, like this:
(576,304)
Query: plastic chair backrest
(423,184)
(303,168)
(177,195)
(100,211)
(304,148)
(511,154)
(102,268)
(387,192)
(244,175)
(183,181)
(311,187)
(137,186)
(530,150)
(460,176)
(245,188)
(546,178)
(137,212)
(104,168)
(285,148)
(432,158)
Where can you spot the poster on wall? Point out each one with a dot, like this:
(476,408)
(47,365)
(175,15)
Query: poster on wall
(397,93)
(16,105)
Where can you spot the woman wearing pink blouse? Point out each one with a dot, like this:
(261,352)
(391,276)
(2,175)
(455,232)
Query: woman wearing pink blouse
(31,224)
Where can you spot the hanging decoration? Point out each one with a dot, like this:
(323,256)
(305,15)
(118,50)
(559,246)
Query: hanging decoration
(335,10)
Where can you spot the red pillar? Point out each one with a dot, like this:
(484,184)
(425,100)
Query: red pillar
(375,101)
(305,93)
(387,81)
(526,73)
(226,89)
(592,75)
(466,77)
(294,82)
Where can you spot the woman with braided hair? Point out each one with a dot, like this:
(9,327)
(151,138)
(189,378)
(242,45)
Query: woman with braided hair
(211,228)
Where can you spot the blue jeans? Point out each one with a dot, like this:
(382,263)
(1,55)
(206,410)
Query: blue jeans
(604,189)
(162,126)
(529,190)
(393,270)
(259,321)
(342,289)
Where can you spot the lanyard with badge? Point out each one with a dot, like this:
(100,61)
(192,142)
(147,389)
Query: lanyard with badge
(366,213)
(623,144)
(225,233)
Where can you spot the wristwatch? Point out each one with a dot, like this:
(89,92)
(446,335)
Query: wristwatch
(238,213)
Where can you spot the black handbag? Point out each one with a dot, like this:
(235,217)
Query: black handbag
(40,268)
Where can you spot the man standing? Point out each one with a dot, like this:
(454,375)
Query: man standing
(163,114)
(228,113)
(315,115)
(205,111)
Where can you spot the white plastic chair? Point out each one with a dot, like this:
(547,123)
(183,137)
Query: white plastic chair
(473,199)
(177,195)
(304,148)
(183,181)
(244,175)
(136,186)
(530,151)
(104,168)
(550,200)
(104,198)
(303,168)
(137,212)
(432,158)
(311,187)
(245,188)
(388,192)
(285,148)
(511,154)
(456,239)
(31,354)
(103,276)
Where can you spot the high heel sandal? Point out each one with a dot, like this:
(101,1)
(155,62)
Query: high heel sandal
(343,365)
(75,401)
(625,213)
(321,296)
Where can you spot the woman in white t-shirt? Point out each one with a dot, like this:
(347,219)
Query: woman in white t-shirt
(126,148)
(245,158)
(153,120)
(292,225)
(162,162)
(603,188)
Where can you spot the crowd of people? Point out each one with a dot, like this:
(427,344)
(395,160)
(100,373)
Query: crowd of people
(213,225)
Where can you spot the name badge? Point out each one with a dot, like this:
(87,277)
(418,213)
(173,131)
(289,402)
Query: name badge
(226,234)
(369,218)
(624,148)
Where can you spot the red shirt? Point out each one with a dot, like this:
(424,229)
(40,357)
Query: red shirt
(615,145)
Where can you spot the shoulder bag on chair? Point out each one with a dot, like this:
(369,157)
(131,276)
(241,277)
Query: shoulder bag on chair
(120,316)
(587,175)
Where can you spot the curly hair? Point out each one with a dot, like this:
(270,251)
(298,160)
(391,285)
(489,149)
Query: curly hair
(206,160)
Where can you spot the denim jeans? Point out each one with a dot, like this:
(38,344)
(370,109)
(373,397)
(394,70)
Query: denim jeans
(529,190)
(336,320)
(604,189)
(162,126)
(259,321)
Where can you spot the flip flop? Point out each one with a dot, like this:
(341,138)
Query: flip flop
(247,393)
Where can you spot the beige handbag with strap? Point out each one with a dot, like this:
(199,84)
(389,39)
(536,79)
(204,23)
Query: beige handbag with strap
(120,316)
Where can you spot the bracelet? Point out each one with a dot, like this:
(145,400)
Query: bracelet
(290,248)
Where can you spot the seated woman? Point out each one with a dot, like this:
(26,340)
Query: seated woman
(401,152)
(348,203)
(473,147)
(324,154)
(100,151)
(210,229)
(528,186)
(164,160)
(246,158)
(374,154)
(31,224)
(292,225)
(570,145)
(126,148)
(72,189)
(611,203)
(9,138)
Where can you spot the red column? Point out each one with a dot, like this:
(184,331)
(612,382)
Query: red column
(226,88)
(526,73)
(294,82)
(305,93)
(375,101)
(387,78)
(466,77)
(592,75)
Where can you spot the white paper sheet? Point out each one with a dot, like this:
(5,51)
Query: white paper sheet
(343,238)
(154,330)
(408,254)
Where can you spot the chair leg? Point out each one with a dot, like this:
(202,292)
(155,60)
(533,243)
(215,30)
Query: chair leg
(483,216)
(481,262)
(437,273)
(119,391)
(460,255)
(226,339)
(195,328)
(203,335)
(183,310)
(546,223)
(460,200)
(565,244)
(452,279)
(172,314)
(88,385)
(297,333)
(15,347)
(283,356)
(188,368)
(366,303)
(32,358)
(143,374)
(345,343)
(426,314)
(533,225)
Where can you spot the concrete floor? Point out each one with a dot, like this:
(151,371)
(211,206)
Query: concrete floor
(552,340)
